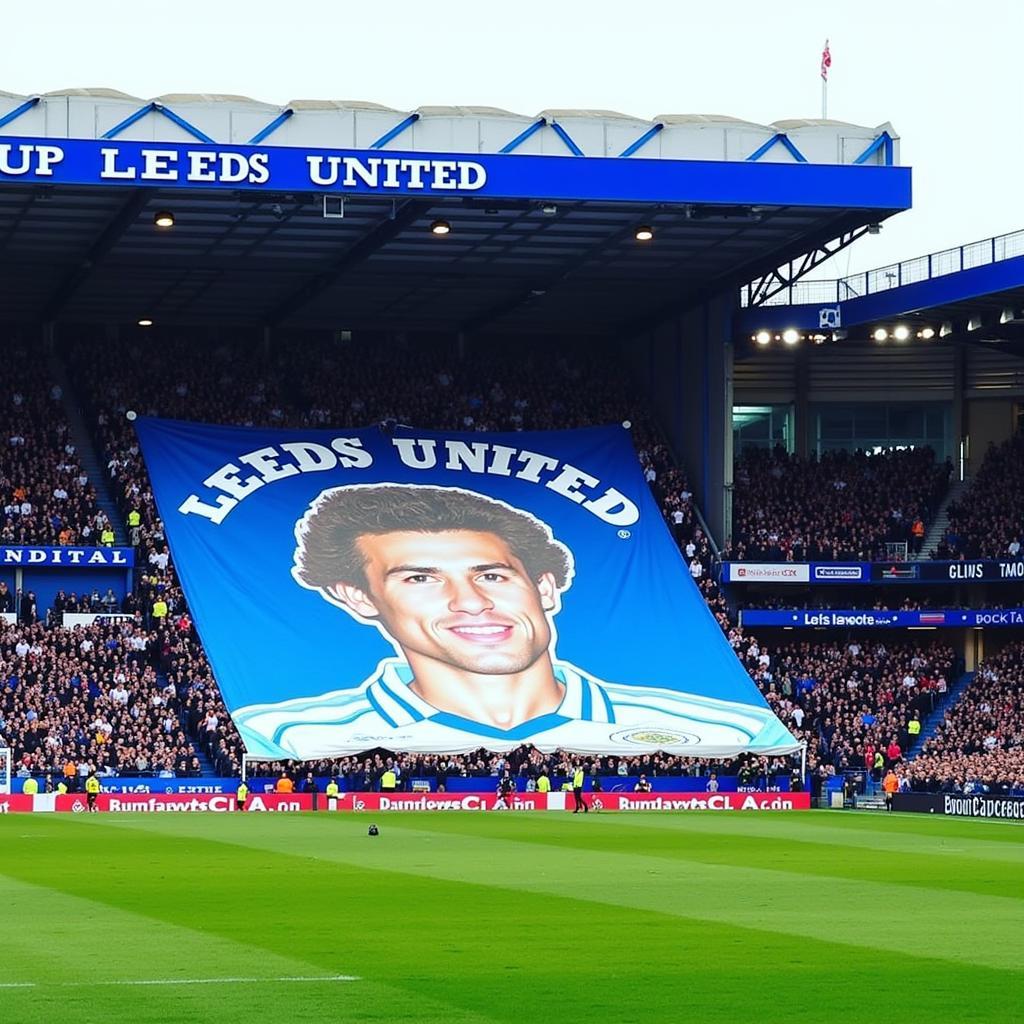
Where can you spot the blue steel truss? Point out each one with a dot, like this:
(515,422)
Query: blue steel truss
(157,108)
(883,142)
(532,130)
(642,141)
(395,132)
(762,290)
(269,130)
(881,279)
(779,139)
(14,114)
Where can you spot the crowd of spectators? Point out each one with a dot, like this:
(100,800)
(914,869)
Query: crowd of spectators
(842,505)
(980,743)
(90,697)
(45,495)
(525,763)
(988,521)
(850,702)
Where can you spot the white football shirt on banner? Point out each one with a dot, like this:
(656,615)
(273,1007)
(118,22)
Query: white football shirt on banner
(594,717)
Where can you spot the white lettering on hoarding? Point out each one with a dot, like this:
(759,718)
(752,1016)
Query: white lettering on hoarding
(769,572)
(984,807)
(222,166)
(395,173)
(29,159)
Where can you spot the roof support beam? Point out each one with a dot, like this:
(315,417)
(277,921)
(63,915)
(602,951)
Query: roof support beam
(125,217)
(405,215)
(766,287)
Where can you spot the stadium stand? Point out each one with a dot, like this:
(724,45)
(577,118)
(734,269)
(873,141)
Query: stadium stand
(845,700)
(845,505)
(989,520)
(90,696)
(979,746)
(45,494)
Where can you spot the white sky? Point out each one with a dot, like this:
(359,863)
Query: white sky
(945,73)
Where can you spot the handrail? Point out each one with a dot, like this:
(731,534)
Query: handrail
(895,275)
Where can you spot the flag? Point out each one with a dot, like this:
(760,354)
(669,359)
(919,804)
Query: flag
(933,618)
(826,61)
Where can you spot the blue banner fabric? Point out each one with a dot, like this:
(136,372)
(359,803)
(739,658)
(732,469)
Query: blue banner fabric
(438,593)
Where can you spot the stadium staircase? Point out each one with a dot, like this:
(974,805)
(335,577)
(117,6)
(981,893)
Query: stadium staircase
(90,461)
(205,764)
(931,724)
(937,529)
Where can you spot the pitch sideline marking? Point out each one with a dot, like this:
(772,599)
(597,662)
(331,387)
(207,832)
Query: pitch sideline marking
(181,981)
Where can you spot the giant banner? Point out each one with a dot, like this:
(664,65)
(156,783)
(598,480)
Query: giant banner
(439,593)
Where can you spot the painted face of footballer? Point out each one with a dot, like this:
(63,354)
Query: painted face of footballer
(457,597)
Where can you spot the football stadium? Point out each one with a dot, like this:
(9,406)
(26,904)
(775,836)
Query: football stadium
(382,488)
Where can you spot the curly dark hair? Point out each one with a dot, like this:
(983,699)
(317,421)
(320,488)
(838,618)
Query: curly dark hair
(328,552)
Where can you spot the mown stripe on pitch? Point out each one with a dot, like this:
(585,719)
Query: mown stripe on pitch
(762,898)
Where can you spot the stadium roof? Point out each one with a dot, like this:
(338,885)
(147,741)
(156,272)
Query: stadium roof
(972,292)
(542,210)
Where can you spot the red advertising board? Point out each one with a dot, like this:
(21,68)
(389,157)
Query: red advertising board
(435,802)
(558,801)
(222,803)
(217,803)
(698,801)
(12,803)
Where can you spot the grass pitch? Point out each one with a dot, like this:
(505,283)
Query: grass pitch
(482,918)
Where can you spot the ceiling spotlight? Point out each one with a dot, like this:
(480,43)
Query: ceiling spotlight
(927,333)
(946,328)
(762,337)
(820,339)
(901,332)
(880,334)
(790,336)
(627,424)
(440,227)
(145,322)
(164,219)
(874,229)
(549,209)
(644,233)
(131,415)
(974,323)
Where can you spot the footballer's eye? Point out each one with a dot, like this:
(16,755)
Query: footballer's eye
(418,577)
(491,577)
